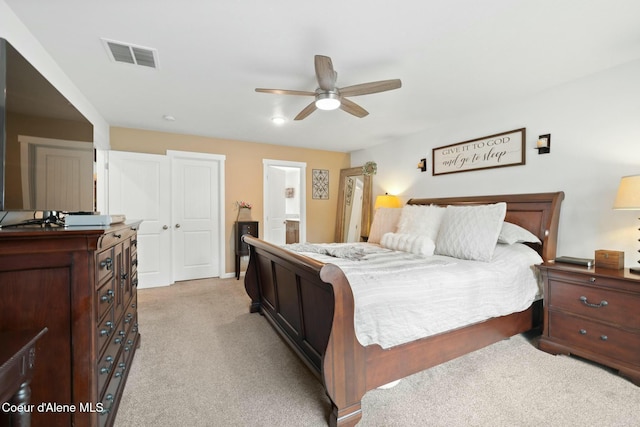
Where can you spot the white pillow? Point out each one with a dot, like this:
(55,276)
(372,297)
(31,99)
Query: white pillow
(511,233)
(470,232)
(414,243)
(421,220)
(385,220)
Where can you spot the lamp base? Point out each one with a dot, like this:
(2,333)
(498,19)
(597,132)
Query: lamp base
(634,270)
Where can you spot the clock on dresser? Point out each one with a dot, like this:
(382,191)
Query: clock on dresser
(593,313)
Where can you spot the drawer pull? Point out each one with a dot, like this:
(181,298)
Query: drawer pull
(604,337)
(106,263)
(592,279)
(602,303)
(583,332)
(108,297)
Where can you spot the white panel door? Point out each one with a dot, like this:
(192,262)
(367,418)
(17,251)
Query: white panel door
(196,216)
(64,179)
(56,174)
(277,232)
(139,187)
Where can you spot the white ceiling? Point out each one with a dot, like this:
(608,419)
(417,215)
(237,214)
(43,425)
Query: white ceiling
(453,57)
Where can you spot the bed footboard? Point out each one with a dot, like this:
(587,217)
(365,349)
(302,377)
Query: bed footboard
(310,304)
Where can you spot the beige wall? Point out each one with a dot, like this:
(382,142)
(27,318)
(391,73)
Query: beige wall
(244,171)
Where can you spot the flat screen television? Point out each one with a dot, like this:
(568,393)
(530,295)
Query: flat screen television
(46,144)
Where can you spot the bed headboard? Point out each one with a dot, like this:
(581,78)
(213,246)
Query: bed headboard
(537,212)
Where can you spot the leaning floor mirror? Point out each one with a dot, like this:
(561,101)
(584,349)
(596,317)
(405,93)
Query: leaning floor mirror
(354,205)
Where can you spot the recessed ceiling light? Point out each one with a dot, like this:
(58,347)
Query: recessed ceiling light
(278,120)
(169,118)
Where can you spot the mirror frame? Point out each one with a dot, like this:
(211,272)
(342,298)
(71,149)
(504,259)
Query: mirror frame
(366,202)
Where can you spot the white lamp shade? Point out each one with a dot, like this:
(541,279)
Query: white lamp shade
(628,196)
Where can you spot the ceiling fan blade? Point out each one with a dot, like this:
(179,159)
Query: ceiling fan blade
(352,108)
(373,87)
(286,92)
(306,111)
(325,73)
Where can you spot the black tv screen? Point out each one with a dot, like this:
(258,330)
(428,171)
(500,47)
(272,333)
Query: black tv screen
(46,144)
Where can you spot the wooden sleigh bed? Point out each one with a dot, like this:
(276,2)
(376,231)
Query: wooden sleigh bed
(311,305)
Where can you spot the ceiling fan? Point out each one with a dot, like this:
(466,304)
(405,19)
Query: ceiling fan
(330,97)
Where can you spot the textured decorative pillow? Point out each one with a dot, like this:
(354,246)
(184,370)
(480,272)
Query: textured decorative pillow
(421,220)
(418,244)
(385,220)
(470,232)
(511,233)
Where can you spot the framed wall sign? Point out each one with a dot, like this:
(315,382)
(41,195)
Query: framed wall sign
(494,151)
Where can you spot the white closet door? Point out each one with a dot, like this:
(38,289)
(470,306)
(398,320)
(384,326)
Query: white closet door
(139,187)
(196,211)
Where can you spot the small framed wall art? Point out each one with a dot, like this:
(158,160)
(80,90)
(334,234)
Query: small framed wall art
(320,184)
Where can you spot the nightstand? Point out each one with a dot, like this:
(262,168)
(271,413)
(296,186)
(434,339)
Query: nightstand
(242,249)
(593,313)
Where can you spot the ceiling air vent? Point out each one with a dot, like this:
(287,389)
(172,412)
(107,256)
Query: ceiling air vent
(131,54)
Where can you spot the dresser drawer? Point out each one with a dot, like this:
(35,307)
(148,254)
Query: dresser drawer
(595,337)
(104,298)
(111,397)
(104,266)
(106,365)
(596,303)
(105,330)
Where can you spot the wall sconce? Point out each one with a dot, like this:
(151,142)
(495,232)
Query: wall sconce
(387,201)
(543,145)
(422,165)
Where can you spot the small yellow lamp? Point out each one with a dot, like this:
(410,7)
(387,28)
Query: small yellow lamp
(387,201)
(628,198)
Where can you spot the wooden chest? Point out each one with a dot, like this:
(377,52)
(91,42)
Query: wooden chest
(609,259)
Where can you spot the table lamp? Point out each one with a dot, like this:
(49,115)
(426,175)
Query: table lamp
(628,198)
(387,201)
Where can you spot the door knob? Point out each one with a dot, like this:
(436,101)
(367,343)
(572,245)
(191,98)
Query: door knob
(164,227)
(177,225)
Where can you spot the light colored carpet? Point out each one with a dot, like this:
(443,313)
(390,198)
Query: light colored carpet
(205,361)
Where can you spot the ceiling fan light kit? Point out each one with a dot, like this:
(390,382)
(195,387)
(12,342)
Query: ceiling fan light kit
(330,97)
(327,101)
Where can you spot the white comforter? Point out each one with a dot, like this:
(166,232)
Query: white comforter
(401,297)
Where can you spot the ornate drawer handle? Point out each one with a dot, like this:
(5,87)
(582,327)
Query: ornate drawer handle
(106,263)
(604,337)
(602,303)
(583,332)
(108,297)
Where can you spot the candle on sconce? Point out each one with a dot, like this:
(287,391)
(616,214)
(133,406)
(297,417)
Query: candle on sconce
(542,143)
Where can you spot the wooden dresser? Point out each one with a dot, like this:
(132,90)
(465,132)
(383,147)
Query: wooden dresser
(81,285)
(593,313)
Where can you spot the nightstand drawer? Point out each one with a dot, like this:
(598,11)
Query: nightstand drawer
(595,337)
(596,303)
(586,278)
